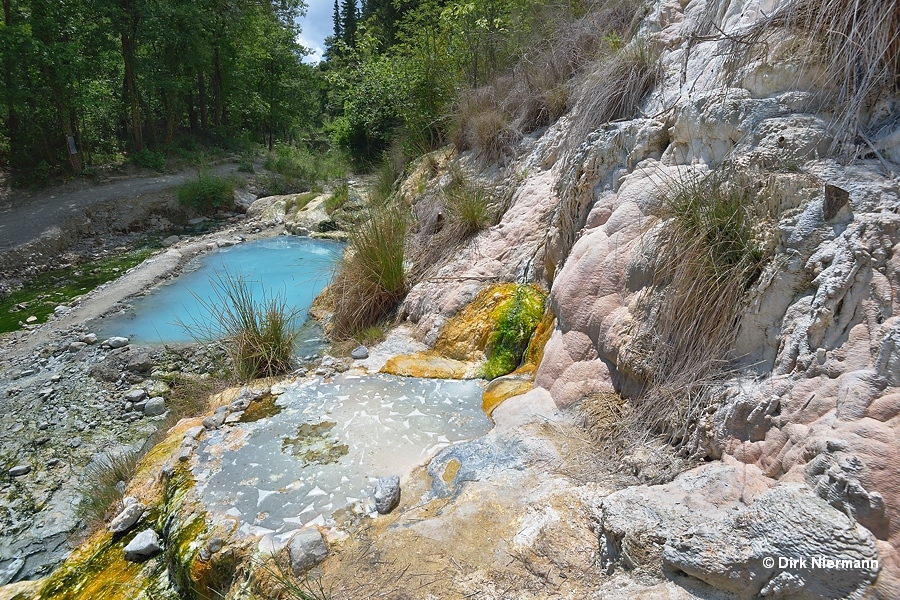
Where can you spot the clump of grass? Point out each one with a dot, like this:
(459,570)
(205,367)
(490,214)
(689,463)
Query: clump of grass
(382,187)
(470,208)
(273,579)
(258,334)
(207,192)
(516,320)
(856,43)
(340,195)
(102,487)
(298,202)
(613,89)
(708,254)
(245,164)
(371,279)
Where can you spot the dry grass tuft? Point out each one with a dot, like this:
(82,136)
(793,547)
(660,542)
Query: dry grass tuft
(708,253)
(372,277)
(613,89)
(857,44)
(535,92)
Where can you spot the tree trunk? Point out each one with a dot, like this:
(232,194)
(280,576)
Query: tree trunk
(192,112)
(12,120)
(217,90)
(128,55)
(204,102)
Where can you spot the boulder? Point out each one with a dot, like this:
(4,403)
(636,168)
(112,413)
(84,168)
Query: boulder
(143,546)
(306,550)
(126,519)
(116,342)
(155,407)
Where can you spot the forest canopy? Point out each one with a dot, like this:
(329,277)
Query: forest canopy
(92,82)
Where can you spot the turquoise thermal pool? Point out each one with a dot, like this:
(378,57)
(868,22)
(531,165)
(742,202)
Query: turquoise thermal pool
(296,267)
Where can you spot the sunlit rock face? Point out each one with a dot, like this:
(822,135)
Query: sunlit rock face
(328,444)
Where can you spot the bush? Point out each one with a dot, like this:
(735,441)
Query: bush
(245,164)
(470,208)
(148,159)
(381,189)
(371,279)
(516,320)
(258,334)
(298,165)
(208,192)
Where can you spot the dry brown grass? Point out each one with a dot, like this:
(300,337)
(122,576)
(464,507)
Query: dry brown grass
(536,91)
(856,45)
(612,89)
(709,251)
(372,277)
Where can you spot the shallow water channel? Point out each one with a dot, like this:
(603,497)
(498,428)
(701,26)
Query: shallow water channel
(328,444)
(296,267)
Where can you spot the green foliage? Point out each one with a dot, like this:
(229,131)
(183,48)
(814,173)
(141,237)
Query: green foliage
(340,195)
(382,187)
(258,334)
(43,293)
(148,159)
(100,487)
(300,166)
(372,278)
(516,320)
(245,164)
(207,192)
(113,75)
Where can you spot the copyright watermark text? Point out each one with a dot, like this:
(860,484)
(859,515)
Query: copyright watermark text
(820,562)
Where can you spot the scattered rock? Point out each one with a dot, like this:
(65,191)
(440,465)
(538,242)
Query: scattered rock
(90,338)
(184,453)
(387,494)
(243,200)
(171,240)
(143,546)
(155,407)
(19,470)
(31,319)
(158,388)
(76,346)
(126,519)
(359,353)
(136,395)
(139,362)
(307,549)
(215,420)
(116,342)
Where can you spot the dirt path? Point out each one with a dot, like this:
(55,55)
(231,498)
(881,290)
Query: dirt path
(25,219)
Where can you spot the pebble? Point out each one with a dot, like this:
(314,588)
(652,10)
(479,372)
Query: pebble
(19,470)
(307,549)
(126,519)
(215,420)
(359,353)
(136,395)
